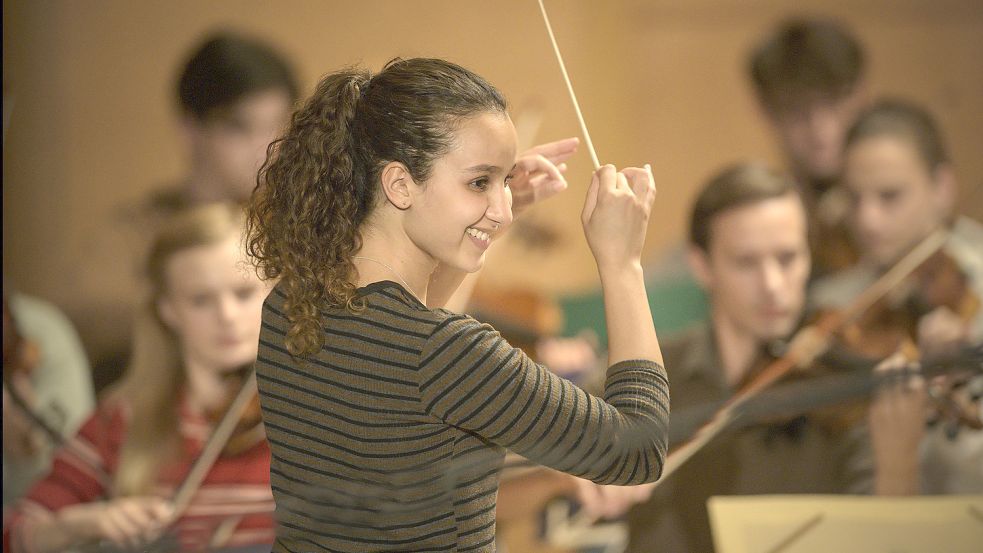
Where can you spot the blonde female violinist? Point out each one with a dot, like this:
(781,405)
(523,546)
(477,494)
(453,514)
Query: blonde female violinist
(113,485)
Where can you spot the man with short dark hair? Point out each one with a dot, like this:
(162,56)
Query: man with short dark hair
(235,94)
(749,250)
(808,76)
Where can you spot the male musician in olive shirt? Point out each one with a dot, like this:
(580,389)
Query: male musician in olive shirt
(749,249)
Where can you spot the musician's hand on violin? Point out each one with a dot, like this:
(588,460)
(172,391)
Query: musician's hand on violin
(897,425)
(127,522)
(21,439)
(615,215)
(600,502)
(941,331)
(538,173)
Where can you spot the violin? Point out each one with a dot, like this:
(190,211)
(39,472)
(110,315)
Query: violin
(248,430)
(853,382)
(21,357)
(238,428)
(892,322)
(905,292)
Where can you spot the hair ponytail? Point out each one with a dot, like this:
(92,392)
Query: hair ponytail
(320,179)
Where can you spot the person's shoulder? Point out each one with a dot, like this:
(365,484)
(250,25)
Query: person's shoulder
(458,331)
(277,296)
(449,322)
(166,200)
(151,209)
(111,417)
(61,347)
(37,316)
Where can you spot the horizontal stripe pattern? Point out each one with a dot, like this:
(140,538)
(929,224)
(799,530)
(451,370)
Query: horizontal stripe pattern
(392,436)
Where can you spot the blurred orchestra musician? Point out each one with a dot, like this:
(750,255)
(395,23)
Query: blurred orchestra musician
(234,95)
(112,487)
(808,76)
(749,249)
(902,189)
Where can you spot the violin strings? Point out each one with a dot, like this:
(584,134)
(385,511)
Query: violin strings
(573,96)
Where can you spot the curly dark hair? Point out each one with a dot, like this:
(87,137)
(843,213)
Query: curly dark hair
(319,181)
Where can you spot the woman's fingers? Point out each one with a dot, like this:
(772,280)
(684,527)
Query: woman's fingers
(534,179)
(591,201)
(641,182)
(558,150)
(609,178)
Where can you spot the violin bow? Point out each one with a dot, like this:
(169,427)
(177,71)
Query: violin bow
(215,444)
(192,481)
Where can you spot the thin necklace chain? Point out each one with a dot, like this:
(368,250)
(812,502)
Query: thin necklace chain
(401,279)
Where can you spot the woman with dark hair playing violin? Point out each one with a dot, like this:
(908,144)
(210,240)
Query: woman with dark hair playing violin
(903,190)
(113,485)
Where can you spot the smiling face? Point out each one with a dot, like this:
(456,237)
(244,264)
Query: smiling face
(757,265)
(213,303)
(465,202)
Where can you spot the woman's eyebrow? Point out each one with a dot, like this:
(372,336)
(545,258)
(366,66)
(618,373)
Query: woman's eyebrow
(483,168)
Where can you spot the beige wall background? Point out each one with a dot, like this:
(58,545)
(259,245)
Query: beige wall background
(93,124)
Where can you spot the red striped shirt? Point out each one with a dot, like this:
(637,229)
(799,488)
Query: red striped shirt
(235,496)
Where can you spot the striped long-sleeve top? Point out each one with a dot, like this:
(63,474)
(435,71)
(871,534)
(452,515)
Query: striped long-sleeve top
(391,437)
(234,499)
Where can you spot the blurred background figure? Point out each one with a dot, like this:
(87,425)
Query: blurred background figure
(114,481)
(47,388)
(749,250)
(809,77)
(902,188)
(235,93)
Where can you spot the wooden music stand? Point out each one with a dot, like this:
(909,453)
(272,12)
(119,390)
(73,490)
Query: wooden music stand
(846,524)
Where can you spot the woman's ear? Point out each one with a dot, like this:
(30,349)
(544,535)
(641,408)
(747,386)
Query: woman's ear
(397,185)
